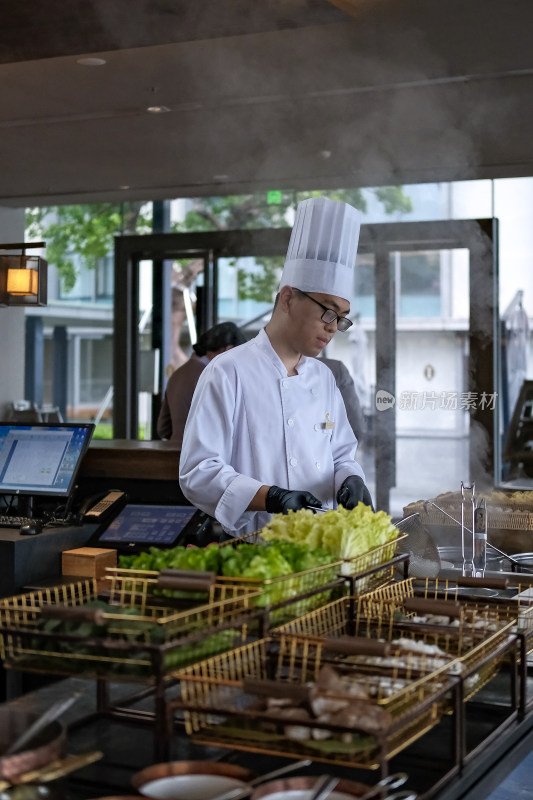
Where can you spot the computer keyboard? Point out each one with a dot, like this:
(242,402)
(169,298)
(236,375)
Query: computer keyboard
(8,521)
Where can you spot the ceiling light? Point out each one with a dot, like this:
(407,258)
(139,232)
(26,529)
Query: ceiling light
(91,61)
(158,109)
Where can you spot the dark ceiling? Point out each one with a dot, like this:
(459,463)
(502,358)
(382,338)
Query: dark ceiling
(262,94)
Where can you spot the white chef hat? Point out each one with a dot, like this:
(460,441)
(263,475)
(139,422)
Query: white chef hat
(322,248)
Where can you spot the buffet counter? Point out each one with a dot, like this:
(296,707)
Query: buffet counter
(127,748)
(429,676)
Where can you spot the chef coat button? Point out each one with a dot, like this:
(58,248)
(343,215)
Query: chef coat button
(314,392)
(290,422)
(293,462)
(317,426)
(317,464)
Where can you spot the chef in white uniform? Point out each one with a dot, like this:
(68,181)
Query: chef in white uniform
(268,431)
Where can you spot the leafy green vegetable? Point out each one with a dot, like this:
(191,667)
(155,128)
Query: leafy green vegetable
(263,563)
(119,645)
(343,533)
(242,560)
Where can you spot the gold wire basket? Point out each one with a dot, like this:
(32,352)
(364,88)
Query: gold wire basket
(133,635)
(478,635)
(467,639)
(480,616)
(223,699)
(366,571)
(280,599)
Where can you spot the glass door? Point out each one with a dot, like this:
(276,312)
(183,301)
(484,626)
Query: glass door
(422,357)
(421,352)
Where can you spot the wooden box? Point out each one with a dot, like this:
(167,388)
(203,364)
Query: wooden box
(88,562)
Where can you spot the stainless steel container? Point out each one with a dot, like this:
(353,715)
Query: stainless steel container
(524,559)
(454,556)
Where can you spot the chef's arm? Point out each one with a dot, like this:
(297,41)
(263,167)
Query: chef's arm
(258,501)
(276,500)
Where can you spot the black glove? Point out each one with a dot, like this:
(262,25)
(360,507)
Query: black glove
(283,500)
(353,491)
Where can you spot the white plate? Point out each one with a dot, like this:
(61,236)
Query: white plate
(190,787)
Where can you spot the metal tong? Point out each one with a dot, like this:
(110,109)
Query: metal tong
(475,560)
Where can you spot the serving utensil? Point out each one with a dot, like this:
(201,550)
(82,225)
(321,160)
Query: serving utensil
(493,547)
(236,794)
(407,795)
(58,768)
(40,723)
(393,781)
(324,786)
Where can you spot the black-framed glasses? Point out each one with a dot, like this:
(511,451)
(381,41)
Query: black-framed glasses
(329,315)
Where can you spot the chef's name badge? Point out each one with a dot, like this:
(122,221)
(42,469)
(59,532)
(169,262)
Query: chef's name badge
(328,425)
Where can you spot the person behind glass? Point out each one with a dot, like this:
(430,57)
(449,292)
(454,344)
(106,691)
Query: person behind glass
(268,430)
(182,383)
(346,387)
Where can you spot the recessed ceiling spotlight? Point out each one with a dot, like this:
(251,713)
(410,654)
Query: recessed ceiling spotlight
(220,177)
(126,186)
(158,109)
(90,61)
(324,154)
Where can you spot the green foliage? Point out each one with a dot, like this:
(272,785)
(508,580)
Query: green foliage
(235,212)
(82,231)
(260,286)
(103,431)
(394,199)
(239,212)
(85,233)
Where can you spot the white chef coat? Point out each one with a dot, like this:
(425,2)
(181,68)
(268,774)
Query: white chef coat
(251,425)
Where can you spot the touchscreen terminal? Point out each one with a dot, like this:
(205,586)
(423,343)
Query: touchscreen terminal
(160,526)
(42,459)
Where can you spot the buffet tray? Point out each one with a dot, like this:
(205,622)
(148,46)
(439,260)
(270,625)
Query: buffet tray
(473,645)
(289,596)
(221,698)
(133,635)
(366,571)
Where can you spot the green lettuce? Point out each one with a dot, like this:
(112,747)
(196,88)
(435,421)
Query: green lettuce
(343,533)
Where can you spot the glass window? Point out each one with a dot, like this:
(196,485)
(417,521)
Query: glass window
(419,284)
(80,244)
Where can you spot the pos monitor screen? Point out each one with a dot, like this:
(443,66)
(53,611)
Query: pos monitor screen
(41,459)
(161,526)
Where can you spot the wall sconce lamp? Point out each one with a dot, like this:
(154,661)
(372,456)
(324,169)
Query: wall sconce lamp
(23,279)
